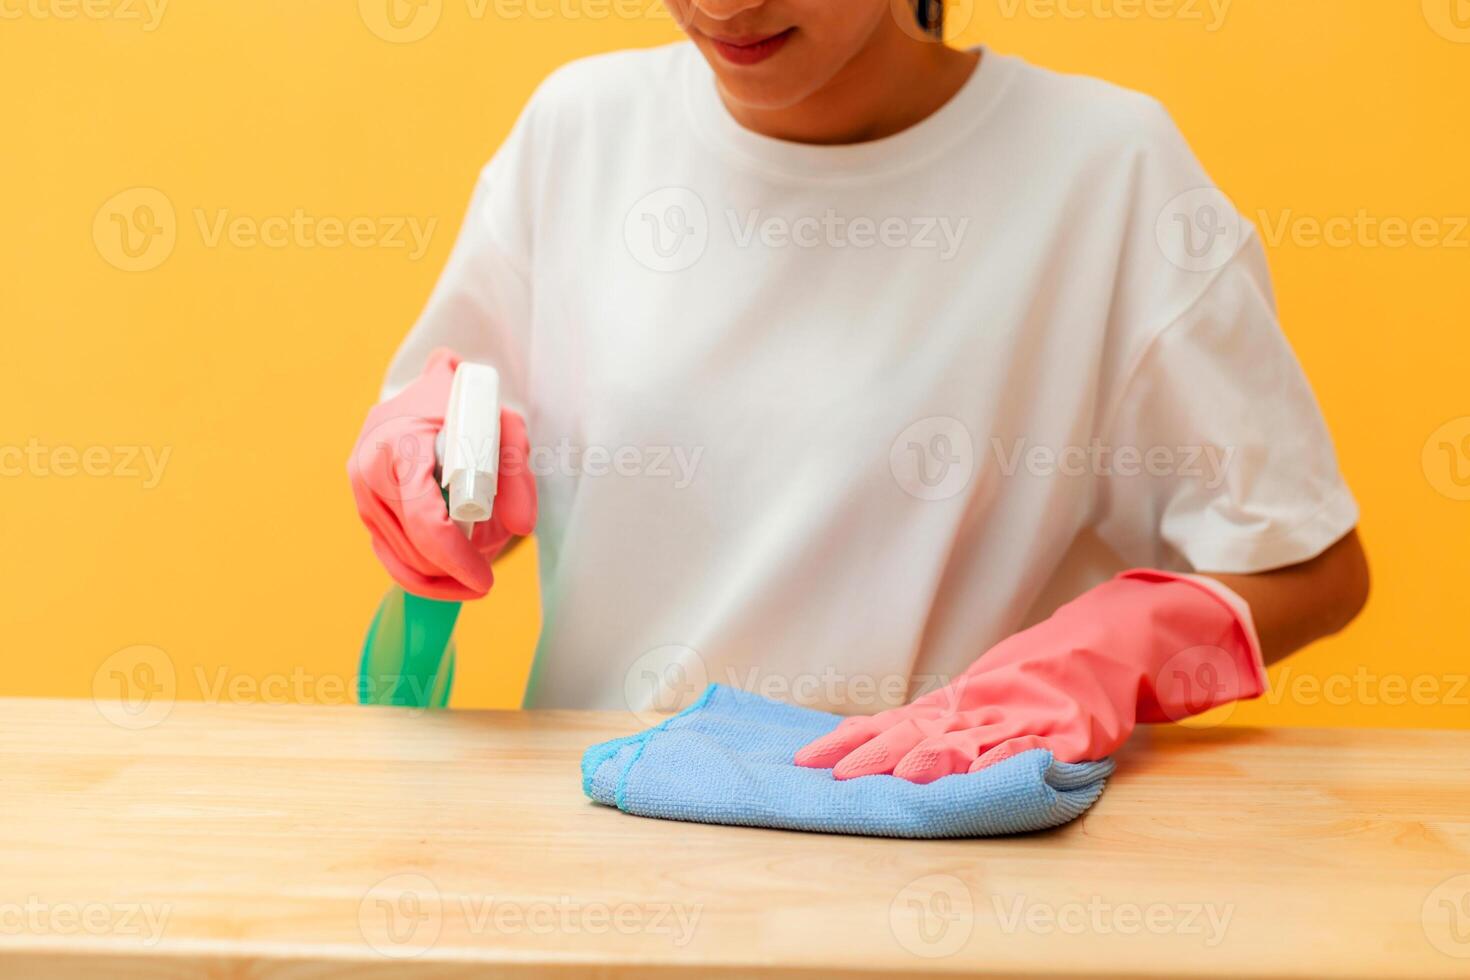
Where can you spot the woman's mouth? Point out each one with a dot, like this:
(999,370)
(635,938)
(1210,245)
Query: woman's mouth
(750,50)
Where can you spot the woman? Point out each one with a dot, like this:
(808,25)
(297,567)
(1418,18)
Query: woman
(841,351)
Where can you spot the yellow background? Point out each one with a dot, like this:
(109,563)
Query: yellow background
(253,365)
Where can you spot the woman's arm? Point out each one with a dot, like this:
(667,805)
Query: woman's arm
(1147,646)
(1299,604)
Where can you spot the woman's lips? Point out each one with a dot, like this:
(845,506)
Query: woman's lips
(750,50)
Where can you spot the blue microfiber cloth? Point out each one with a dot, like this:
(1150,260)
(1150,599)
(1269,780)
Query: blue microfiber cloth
(727,759)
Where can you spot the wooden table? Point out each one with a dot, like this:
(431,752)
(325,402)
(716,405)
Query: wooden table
(296,842)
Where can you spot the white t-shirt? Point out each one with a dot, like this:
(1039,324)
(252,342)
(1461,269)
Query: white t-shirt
(827,422)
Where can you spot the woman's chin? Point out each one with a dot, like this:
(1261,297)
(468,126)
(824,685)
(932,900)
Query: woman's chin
(762,95)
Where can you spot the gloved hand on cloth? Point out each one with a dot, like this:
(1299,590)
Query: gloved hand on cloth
(1146,646)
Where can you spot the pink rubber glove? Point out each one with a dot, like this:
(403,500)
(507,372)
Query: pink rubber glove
(1144,647)
(398,498)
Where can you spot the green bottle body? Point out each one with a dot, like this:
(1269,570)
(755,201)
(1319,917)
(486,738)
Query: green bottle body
(408,656)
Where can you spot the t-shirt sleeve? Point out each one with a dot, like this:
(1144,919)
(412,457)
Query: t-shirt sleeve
(1216,456)
(481,305)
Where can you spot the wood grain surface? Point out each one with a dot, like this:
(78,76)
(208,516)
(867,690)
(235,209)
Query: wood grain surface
(323,842)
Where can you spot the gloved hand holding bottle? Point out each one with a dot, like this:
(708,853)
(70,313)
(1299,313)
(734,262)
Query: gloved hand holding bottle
(1146,646)
(400,501)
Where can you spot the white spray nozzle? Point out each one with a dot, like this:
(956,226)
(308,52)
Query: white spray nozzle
(469,448)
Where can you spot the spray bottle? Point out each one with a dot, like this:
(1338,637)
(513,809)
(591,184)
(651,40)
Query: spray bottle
(408,656)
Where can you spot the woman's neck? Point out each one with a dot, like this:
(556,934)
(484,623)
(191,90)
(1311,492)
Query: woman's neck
(895,82)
